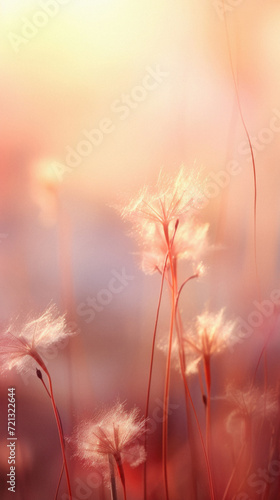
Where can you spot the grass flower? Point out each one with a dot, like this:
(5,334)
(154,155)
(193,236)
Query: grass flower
(166,227)
(172,199)
(248,405)
(157,216)
(21,348)
(189,244)
(111,439)
(212,334)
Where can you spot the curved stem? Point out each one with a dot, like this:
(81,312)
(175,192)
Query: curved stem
(39,375)
(250,147)
(59,482)
(211,487)
(263,351)
(60,433)
(168,361)
(196,275)
(112,478)
(233,471)
(150,375)
(188,395)
(207,372)
(122,476)
(166,395)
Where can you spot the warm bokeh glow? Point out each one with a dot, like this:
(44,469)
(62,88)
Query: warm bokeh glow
(97,98)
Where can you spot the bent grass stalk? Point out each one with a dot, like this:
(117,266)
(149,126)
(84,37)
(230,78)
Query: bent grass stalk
(39,375)
(187,391)
(168,361)
(264,350)
(250,147)
(122,476)
(150,373)
(209,473)
(207,374)
(112,459)
(179,329)
(112,478)
(152,361)
(233,472)
(58,423)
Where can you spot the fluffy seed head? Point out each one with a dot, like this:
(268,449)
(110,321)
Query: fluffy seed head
(172,198)
(19,346)
(249,405)
(113,433)
(166,215)
(211,335)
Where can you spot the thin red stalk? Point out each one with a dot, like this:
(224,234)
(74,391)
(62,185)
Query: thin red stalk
(251,151)
(233,471)
(60,433)
(187,391)
(249,457)
(59,482)
(207,373)
(201,384)
(263,351)
(150,374)
(112,478)
(39,375)
(193,462)
(211,487)
(152,361)
(167,387)
(122,476)
(168,361)
(179,328)
(193,452)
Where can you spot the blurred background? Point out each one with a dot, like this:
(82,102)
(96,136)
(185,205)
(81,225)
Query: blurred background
(96,97)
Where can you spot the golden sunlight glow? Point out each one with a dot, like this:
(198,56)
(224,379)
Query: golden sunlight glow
(139,209)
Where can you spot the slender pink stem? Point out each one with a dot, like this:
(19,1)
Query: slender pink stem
(179,329)
(250,147)
(60,433)
(59,482)
(39,375)
(211,487)
(207,372)
(168,361)
(233,471)
(188,395)
(112,478)
(122,476)
(166,397)
(150,374)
